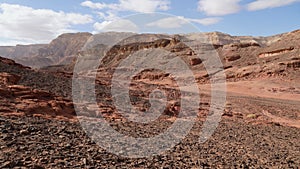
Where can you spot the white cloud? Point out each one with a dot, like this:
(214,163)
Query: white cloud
(108,16)
(28,25)
(143,6)
(169,22)
(219,7)
(264,4)
(99,27)
(179,21)
(108,12)
(206,21)
(121,25)
(93,5)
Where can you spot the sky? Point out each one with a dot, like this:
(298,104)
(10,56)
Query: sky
(36,21)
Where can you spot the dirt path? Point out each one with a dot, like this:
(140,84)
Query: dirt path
(265,88)
(282,121)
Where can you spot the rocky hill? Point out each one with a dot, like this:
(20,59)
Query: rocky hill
(242,57)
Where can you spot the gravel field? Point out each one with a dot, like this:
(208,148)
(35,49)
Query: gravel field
(35,142)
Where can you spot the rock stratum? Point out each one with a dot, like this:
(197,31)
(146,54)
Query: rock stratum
(260,121)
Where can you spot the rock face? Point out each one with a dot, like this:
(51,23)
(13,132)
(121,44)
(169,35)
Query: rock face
(276,52)
(66,46)
(256,54)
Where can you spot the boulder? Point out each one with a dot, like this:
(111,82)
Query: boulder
(195,61)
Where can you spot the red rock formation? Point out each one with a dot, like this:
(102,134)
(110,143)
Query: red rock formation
(22,99)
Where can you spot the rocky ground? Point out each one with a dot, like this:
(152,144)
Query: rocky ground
(42,143)
(41,136)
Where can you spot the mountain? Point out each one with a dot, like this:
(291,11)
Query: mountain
(20,51)
(65,48)
(61,50)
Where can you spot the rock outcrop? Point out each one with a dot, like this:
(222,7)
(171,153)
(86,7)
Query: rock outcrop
(12,63)
(19,99)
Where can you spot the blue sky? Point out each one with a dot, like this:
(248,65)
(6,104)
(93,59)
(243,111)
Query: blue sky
(36,21)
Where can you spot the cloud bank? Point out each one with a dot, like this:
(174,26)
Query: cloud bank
(28,25)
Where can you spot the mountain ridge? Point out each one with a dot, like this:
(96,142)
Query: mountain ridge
(65,48)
